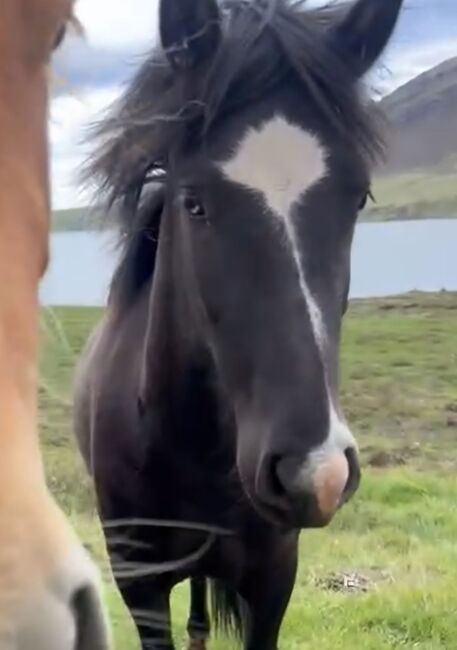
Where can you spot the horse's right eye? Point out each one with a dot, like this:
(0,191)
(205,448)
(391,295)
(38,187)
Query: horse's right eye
(194,207)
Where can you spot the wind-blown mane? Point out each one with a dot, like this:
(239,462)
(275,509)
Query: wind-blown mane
(264,42)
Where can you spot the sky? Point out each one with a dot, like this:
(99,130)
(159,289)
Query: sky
(90,73)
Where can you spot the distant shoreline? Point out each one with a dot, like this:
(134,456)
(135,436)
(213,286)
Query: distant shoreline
(83,224)
(388,217)
(412,196)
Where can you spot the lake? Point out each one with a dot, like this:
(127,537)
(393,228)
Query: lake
(387,259)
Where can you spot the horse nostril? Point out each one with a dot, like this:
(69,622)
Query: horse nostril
(353,480)
(92,632)
(309,489)
(270,486)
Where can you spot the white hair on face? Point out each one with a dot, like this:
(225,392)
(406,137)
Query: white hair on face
(281,162)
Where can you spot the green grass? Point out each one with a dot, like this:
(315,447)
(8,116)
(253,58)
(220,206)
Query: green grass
(399,534)
(428,194)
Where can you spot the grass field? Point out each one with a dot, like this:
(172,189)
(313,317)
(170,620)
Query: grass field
(418,195)
(384,574)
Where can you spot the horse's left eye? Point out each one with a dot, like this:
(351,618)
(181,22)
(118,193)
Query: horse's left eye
(363,202)
(368,195)
(194,207)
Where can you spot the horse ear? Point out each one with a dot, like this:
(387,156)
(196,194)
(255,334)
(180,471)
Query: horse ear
(364,32)
(190,31)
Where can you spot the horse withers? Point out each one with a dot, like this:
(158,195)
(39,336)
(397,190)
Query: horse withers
(207,399)
(50,596)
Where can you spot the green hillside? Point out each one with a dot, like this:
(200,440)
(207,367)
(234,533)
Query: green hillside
(73,220)
(415,195)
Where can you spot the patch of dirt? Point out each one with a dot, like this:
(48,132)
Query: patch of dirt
(345,583)
(387,306)
(399,305)
(452,421)
(392,457)
(386,459)
(197,644)
(352,582)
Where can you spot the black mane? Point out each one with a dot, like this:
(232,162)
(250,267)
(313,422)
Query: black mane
(264,43)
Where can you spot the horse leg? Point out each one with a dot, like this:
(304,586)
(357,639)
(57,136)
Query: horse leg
(147,597)
(148,601)
(198,625)
(267,591)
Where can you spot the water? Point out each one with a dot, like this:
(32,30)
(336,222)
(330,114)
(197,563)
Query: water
(394,258)
(387,259)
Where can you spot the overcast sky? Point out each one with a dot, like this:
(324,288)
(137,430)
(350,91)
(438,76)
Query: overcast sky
(91,72)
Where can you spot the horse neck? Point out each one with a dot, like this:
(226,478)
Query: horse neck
(23,255)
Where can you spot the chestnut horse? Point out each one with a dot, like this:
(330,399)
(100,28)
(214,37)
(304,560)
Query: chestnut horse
(49,588)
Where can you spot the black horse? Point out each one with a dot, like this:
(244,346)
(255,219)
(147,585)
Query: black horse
(207,400)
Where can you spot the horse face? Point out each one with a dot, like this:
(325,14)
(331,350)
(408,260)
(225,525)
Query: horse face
(267,228)
(266,207)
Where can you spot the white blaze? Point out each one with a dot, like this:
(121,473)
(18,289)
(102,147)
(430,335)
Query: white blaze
(281,162)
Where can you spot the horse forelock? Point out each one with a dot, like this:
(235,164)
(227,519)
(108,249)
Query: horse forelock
(264,42)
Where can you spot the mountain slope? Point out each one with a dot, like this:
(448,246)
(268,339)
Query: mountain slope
(423,116)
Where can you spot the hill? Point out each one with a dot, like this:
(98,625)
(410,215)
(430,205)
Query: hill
(419,179)
(423,116)
(416,194)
